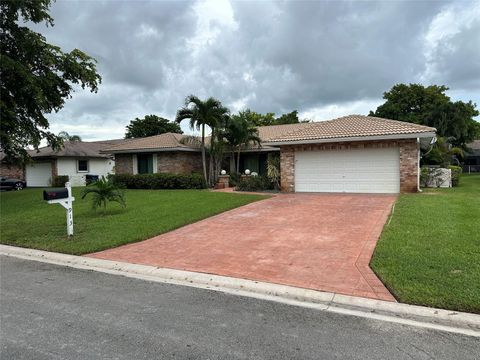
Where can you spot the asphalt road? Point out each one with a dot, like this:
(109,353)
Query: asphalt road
(54,312)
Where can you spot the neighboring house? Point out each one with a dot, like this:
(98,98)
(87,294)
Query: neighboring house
(76,160)
(355,153)
(472,157)
(10,171)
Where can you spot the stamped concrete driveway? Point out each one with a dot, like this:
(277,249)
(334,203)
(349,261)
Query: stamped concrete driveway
(316,241)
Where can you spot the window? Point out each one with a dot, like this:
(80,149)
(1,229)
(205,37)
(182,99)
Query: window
(82,165)
(145,163)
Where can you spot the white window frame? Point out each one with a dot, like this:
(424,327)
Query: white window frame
(78,166)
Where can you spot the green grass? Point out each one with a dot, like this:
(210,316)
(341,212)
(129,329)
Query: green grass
(28,221)
(429,254)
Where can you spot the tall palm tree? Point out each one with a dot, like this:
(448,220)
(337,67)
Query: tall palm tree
(210,112)
(239,134)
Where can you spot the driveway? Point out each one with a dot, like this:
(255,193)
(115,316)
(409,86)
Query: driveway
(316,241)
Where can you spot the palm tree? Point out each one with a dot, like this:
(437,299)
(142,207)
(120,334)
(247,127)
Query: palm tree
(239,133)
(104,190)
(65,136)
(210,112)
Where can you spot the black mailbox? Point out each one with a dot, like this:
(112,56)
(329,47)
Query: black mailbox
(55,194)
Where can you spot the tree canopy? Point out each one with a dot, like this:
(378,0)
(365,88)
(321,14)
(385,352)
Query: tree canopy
(430,106)
(151,125)
(65,136)
(257,119)
(35,78)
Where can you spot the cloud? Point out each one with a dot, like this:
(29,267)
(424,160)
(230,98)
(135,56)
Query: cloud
(324,59)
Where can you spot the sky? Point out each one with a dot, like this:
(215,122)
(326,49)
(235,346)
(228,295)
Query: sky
(324,59)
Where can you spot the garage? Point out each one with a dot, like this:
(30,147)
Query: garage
(350,170)
(39,174)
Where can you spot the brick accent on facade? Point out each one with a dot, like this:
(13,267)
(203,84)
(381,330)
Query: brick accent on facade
(408,149)
(179,162)
(167,162)
(123,164)
(287,168)
(54,170)
(15,172)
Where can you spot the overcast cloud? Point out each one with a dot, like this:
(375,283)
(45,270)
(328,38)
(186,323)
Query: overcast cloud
(325,59)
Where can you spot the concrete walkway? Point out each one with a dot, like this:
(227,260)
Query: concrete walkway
(315,241)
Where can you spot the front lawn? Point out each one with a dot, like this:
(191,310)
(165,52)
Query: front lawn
(429,254)
(28,221)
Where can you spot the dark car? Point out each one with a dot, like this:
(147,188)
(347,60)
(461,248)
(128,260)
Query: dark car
(12,184)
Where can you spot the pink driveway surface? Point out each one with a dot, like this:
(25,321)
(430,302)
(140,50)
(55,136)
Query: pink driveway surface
(316,241)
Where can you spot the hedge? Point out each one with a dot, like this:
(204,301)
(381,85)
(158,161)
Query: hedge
(254,183)
(59,180)
(160,181)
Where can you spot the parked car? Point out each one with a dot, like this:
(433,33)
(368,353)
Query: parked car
(12,184)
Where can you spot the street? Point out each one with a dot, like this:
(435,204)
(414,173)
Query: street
(54,312)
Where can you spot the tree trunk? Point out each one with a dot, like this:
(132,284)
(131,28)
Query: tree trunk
(204,160)
(211,159)
(238,161)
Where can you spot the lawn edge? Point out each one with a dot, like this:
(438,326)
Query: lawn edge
(413,315)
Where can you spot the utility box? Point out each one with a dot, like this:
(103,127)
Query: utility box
(55,194)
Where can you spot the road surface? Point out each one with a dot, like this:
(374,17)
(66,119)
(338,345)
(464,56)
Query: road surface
(54,312)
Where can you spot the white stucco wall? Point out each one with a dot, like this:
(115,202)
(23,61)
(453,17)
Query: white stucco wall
(68,166)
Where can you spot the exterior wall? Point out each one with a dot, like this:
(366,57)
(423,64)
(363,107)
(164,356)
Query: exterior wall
(123,164)
(167,162)
(96,166)
(179,162)
(15,172)
(409,160)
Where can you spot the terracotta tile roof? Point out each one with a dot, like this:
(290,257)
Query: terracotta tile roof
(92,149)
(162,141)
(351,126)
(267,133)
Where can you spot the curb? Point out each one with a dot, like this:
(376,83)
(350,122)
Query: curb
(420,316)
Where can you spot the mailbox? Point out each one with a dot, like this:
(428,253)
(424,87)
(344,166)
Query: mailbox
(55,194)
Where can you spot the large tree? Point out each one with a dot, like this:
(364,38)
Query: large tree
(35,78)
(268,119)
(151,125)
(202,113)
(430,106)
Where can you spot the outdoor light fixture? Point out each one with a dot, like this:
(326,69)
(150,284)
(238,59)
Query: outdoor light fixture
(223,172)
(247,172)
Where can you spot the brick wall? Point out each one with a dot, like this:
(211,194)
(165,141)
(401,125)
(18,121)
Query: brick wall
(179,162)
(15,172)
(123,164)
(408,149)
(167,162)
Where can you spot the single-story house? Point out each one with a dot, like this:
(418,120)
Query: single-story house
(472,157)
(76,160)
(354,153)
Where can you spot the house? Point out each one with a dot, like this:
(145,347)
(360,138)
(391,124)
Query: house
(76,160)
(472,157)
(359,154)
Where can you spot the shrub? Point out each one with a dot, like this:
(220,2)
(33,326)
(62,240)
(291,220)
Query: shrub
(456,171)
(234,179)
(103,191)
(254,183)
(59,180)
(160,181)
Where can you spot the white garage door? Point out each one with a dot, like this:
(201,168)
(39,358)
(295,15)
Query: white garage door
(356,171)
(39,174)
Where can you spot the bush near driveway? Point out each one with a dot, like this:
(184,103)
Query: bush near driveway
(429,254)
(28,221)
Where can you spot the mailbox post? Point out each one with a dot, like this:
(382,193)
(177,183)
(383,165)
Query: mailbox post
(62,196)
